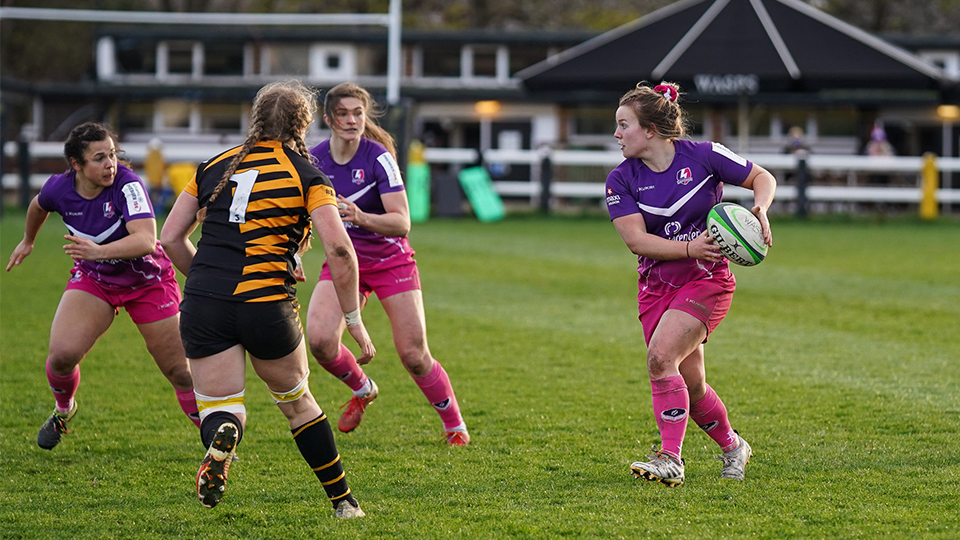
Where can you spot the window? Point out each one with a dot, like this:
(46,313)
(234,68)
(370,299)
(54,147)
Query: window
(135,117)
(441,60)
(593,121)
(136,56)
(173,113)
(180,57)
(221,117)
(223,59)
(332,61)
(372,60)
(484,61)
(283,59)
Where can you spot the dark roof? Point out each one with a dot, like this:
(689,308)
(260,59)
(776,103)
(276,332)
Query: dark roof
(732,47)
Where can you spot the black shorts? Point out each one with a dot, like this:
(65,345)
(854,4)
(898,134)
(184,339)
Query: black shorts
(267,330)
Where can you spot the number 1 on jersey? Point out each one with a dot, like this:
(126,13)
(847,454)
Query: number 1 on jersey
(241,196)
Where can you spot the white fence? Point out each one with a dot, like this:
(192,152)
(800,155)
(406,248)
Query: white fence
(847,166)
(843,166)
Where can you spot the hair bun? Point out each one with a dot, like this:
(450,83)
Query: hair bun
(668,92)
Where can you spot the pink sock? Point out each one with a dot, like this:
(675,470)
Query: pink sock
(64,387)
(436,387)
(710,414)
(346,368)
(188,402)
(670,403)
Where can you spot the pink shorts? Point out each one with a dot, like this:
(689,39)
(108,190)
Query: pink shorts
(706,299)
(384,283)
(145,305)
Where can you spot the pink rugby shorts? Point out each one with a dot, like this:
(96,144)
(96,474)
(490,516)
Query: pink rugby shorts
(706,299)
(386,282)
(145,305)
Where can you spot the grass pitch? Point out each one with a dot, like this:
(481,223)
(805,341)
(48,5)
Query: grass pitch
(838,362)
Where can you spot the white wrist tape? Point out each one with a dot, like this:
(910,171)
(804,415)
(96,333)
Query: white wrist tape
(353,318)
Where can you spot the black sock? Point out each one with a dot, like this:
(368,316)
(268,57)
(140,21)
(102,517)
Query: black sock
(213,421)
(316,444)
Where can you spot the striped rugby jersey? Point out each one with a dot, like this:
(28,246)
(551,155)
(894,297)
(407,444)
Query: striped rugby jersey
(253,228)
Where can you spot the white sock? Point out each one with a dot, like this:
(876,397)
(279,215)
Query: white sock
(365,389)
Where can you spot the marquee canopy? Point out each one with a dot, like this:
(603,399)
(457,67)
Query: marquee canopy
(716,49)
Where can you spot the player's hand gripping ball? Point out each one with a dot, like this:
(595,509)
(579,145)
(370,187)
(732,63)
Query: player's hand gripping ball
(738,234)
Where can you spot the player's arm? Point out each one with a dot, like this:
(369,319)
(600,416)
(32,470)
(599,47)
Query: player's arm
(36,216)
(141,241)
(764,186)
(634,233)
(394,222)
(342,260)
(175,235)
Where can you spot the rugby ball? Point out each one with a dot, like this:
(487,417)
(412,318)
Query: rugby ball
(738,234)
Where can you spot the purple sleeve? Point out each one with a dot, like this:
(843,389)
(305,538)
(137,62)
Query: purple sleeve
(729,167)
(619,197)
(386,172)
(50,193)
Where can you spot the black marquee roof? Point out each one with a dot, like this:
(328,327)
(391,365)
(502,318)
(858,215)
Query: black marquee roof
(717,49)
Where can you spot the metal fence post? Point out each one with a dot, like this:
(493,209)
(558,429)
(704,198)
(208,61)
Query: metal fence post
(546,174)
(802,180)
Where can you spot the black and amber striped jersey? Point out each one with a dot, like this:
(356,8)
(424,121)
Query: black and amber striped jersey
(254,227)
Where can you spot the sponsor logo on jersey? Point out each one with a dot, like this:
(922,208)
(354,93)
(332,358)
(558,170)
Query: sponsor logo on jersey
(684,176)
(673,416)
(644,188)
(672,232)
(358,177)
(729,154)
(391,168)
(442,405)
(136,199)
(108,210)
(611,198)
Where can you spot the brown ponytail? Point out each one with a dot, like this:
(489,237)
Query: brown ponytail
(657,108)
(282,111)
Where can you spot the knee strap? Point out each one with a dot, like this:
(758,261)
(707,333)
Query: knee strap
(211,404)
(290,395)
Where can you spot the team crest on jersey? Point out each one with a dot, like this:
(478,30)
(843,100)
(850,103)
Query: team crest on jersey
(108,210)
(358,176)
(684,176)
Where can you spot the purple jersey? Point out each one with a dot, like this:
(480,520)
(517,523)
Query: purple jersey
(370,173)
(103,220)
(674,205)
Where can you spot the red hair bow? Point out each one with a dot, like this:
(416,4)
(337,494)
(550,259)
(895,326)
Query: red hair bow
(668,92)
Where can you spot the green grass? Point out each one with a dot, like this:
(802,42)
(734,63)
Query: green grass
(838,362)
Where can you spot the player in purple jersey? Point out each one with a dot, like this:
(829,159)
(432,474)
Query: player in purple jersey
(360,160)
(117,262)
(658,199)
